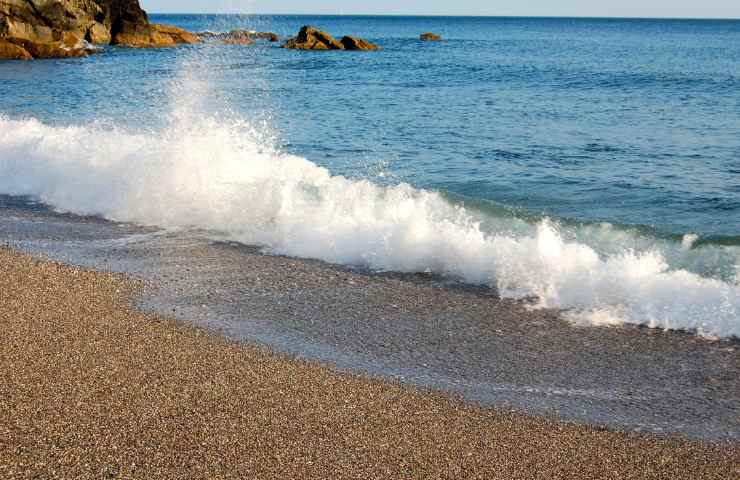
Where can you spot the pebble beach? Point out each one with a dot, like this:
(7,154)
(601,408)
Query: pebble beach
(93,388)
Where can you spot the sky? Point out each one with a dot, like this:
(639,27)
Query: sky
(576,8)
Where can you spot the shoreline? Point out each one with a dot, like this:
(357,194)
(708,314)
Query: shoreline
(413,329)
(93,386)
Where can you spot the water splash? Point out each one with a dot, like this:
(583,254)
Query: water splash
(224,174)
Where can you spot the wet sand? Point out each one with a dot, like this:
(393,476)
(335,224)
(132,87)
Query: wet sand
(92,388)
(417,329)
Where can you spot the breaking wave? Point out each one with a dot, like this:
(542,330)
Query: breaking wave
(226,176)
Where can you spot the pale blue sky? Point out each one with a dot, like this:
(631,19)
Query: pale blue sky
(580,8)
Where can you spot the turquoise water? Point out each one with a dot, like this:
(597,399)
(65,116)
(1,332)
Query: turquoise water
(594,164)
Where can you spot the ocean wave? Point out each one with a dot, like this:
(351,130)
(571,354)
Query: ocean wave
(226,176)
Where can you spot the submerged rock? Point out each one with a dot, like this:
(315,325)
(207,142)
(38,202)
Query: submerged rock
(269,36)
(235,37)
(238,37)
(44,27)
(430,37)
(354,43)
(311,38)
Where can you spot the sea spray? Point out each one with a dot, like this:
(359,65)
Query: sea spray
(226,176)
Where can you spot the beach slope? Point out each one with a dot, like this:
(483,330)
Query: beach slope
(92,388)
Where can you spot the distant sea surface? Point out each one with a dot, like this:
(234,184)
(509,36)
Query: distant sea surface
(593,163)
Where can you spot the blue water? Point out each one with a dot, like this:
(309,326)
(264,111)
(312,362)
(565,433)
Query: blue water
(628,128)
(628,121)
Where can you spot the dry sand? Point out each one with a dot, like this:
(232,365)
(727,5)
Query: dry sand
(92,388)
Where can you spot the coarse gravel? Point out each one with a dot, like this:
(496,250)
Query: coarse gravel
(92,388)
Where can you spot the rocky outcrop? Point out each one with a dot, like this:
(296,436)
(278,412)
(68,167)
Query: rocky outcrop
(238,37)
(45,28)
(311,38)
(130,27)
(429,37)
(11,51)
(152,35)
(354,43)
(269,36)
(52,49)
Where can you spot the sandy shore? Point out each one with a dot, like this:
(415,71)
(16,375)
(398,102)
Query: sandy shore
(91,388)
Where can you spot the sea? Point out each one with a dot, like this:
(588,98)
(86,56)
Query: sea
(588,166)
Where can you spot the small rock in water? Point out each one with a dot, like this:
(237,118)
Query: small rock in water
(354,43)
(238,37)
(430,37)
(311,38)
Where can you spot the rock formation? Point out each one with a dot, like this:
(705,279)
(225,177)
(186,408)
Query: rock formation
(430,37)
(238,37)
(269,36)
(63,28)
(151,35)
(354,43)
(11,51)
(311,38)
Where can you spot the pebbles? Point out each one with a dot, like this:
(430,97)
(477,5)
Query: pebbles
(91,388)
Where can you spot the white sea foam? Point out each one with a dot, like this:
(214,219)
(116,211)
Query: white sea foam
(689,240)
(225,176)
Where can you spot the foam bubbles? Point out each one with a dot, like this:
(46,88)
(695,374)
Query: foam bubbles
(689,240)
(224,176)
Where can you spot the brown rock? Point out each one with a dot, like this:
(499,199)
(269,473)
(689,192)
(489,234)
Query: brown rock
(98,34)
(11,51)
(152,35)
(14,27)
(72,40)
(178,35)
(430,37)
(132,34)
(234,37)
(354,43)
(311,38)
(58,27)
(121,14)
(68,15)
(49,50)
(269,36)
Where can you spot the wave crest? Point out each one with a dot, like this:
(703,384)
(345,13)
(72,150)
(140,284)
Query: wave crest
(224,176)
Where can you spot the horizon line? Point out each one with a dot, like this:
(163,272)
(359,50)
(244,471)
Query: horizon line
(427,15)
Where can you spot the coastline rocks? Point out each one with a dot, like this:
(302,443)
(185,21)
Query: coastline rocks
(11,51)
(430,37)
(51,50)
(46,28)
(311,38)
(269,36)
(354,43)
(98,34)
(152,35)
(238,37)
